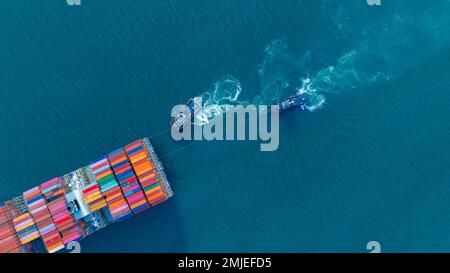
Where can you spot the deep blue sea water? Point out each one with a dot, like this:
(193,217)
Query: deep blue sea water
(370,164)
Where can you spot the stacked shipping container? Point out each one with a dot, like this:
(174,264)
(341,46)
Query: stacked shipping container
(8,237)
(146,171)
(43,219)
(8,211)
(128,181)
(93,197)
(25,228)
(54,192)
(104,175)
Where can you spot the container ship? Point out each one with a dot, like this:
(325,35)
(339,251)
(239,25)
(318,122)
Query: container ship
(116,186)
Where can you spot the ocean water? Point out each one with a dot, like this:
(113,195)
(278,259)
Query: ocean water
(369,162)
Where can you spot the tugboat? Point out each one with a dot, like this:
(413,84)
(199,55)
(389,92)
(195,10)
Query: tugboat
(193,106)
(294,101)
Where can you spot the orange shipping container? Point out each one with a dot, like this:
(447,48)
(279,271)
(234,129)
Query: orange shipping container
(117,161)
(138,157)
(143,167)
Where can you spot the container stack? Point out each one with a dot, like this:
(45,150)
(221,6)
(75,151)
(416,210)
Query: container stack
(43,219)
(73,232)
(103,174)
(110,189)
(8,211)
(93,197)
(8,237)
(128,181)
(146,171)
(25,228)
(54,192)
